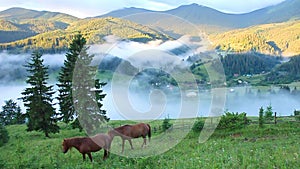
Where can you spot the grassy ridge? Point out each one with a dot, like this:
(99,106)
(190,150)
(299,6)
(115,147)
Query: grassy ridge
(94,30)
(277,38)
(270,147)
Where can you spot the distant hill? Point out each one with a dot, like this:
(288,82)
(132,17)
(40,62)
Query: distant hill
(21,15)
(277,38)
(20,23)
(24,29)
(94,29)
(207,18)
(125,12)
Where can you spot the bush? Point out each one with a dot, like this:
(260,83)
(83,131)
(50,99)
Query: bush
(233,121)
(297,115)
(3,135)
(198,125)
(166,124)
(269,113)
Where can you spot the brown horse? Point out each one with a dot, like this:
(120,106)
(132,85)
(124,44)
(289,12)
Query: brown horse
(86,145)
(128,132)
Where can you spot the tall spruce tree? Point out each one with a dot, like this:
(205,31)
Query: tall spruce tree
(88,94)
(80,93)
(65,96)
(38,98)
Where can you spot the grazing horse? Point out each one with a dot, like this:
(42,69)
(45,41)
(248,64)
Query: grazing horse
(128,132)
(86,145)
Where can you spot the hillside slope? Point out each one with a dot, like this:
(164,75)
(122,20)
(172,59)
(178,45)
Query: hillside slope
(278,38)
(94,29)
(20,23)
(21,15)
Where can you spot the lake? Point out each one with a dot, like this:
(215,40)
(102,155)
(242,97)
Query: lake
(159,105)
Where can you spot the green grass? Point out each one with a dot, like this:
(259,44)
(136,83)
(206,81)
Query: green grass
(274,146)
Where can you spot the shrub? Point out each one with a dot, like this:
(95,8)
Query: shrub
(269,113)
(3,135)
(166,124)
(233,121)
(198,125)
(297,115)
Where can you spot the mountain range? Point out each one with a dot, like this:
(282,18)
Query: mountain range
(201,15)
(273,30)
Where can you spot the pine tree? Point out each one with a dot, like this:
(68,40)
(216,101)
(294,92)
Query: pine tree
(87,93)
(38,98)
(11,113)
(261,117)
(65,96)
(80,85)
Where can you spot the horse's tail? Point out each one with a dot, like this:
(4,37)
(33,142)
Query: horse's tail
(149,133)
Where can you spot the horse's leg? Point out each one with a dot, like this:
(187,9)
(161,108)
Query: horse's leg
(108,149)
(144,143)
(83,156)
(105,154)
(123,142)
(130,143)
(90,156)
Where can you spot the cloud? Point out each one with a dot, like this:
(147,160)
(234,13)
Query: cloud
(12,67)
(152,54)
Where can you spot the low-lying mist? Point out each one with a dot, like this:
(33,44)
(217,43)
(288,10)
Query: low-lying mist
(13,70)
(152,54)
(159,100)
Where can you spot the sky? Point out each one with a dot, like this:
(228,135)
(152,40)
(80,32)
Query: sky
(90,8)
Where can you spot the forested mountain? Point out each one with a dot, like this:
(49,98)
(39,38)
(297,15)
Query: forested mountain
(277,39)
(24,29)
(20,23)
(286,72)
(247,64)
(93,29)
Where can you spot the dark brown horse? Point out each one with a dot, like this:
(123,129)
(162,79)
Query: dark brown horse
(128,132)
(86,145)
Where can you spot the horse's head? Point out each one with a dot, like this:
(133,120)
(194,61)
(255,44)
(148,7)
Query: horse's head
(65,146)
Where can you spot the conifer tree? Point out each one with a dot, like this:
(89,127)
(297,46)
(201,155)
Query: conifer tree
(261,117)
(80,93)
(87,93)
(37,98)
(65,96)
(11,113)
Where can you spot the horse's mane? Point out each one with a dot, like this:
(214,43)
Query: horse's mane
(75,141)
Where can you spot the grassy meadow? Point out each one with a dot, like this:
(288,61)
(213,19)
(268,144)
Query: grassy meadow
(273,146)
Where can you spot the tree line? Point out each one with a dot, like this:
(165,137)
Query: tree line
(80,94)
(287,72)
(247,63)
